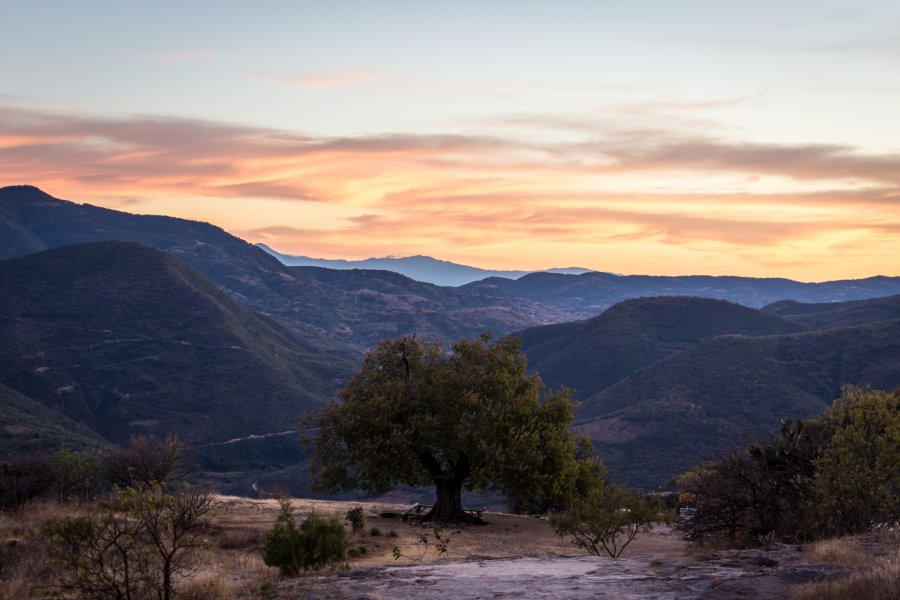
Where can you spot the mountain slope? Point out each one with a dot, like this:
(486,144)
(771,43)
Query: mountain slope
(28,428)
(667,417)
(591,355)
(838,314)
(125,339)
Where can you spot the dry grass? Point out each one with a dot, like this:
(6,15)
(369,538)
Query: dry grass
(881,582)
(875,559)
(23,553)
(840,552)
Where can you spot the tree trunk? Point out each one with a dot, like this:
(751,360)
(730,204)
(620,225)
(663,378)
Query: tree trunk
(448,502)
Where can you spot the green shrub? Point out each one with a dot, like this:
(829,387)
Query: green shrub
(374,532)
(317,542)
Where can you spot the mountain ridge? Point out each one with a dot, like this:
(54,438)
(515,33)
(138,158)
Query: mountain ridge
(422,268)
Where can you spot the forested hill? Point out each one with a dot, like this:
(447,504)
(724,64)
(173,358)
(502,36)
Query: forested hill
(671,381)
(125,339)
(591,355)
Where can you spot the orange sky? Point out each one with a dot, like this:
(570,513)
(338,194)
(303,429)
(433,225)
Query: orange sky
(658,202)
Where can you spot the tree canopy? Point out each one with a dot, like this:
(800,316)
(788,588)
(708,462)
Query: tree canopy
(469,417)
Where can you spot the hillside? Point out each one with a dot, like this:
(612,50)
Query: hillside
(838,314)
(126,339)
(665,418)
(29,428)
(591,355)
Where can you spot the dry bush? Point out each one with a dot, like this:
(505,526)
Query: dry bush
(881,582)
(240,539)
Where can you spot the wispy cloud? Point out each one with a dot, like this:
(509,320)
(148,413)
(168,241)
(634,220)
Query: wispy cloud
(615,190)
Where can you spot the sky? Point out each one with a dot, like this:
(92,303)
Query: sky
(644,137)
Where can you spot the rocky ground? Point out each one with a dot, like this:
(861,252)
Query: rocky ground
(521,557)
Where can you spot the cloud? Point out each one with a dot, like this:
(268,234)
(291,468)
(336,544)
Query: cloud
(616,188)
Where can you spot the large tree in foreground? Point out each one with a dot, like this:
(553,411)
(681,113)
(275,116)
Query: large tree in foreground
(418,414)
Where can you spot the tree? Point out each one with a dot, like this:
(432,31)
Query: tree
(148,461)
(77,475)
(469,417)
(608,518)
(857,480)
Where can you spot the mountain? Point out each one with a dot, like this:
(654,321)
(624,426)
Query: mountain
(123,339)
(676,412)
(591,355)
(420,268)
(345,313)
(587,295)
(341,312)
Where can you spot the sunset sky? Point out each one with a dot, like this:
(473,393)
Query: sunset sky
(746,138)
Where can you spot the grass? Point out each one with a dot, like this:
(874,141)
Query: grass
(880,582)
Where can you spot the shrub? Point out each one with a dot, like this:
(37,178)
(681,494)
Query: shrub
(374,532)
(356,518)
(608,519)
(317,542)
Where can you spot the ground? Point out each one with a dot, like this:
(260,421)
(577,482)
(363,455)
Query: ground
(513,557)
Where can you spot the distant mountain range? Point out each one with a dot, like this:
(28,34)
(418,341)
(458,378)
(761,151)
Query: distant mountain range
(114,323)
(420,268)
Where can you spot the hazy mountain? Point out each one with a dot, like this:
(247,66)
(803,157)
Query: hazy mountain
(678,411)
(420,268)
(126,339)
(591,355)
